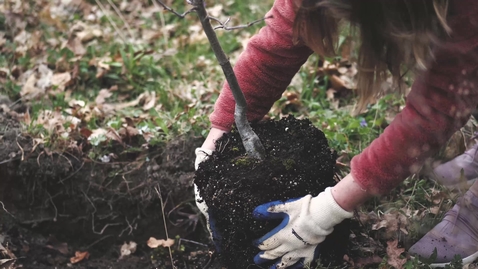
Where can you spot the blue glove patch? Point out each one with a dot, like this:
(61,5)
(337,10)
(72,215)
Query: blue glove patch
(216,236)
(261,213)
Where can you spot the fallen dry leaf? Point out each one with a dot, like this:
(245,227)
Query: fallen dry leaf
(128,132)
(45,75)
(102,96)
(61,80)
(394,253)
(53,243)
(128,249)
(29,91)
(154,243)
(392,222)
(149,101)
(7,263)
(7,252)
(76,46)
(79,256)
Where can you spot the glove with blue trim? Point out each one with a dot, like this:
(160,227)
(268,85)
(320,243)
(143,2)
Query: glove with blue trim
(305,223)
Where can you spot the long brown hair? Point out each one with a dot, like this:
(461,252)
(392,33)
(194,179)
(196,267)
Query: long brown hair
(394,34)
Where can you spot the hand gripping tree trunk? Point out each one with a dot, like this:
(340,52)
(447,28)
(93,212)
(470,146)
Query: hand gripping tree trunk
(250,140)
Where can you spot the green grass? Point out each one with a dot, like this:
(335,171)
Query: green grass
(183,73)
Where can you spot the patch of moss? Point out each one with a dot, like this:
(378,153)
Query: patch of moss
(288,164)
(242,161)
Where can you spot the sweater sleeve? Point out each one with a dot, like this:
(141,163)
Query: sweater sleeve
(440,102)
(264,69)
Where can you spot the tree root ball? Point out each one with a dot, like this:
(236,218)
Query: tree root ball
(298,162)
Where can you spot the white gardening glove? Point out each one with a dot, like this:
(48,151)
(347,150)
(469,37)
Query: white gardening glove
(201,156)
(305,223)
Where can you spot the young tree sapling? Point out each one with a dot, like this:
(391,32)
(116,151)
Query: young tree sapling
(250,140)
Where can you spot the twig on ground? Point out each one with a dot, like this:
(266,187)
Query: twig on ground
(191,219)
(68,160)
(21,149)
(118,12)
(73,156)
(191,241)
(35,221)
(38,157)
(130,227)
(221,148)
(99,240)
(103,9)
(9,160)
(72,174)
(4,209)
(93,217)
(158,191)
(104,227)
(18,100)
(56,210)
(211,260)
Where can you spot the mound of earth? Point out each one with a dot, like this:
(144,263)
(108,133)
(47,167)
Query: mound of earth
(298,162)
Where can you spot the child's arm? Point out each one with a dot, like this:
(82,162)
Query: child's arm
(265,68)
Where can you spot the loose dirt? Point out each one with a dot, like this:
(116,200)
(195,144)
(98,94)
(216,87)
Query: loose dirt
(298,162)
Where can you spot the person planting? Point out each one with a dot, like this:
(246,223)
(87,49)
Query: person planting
(436,39)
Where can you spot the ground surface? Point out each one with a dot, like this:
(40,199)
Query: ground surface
(57,204)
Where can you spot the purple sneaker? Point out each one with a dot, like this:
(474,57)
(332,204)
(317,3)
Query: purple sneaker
(459,173)
(456,234)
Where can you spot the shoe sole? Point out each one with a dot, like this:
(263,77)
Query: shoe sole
(466,261)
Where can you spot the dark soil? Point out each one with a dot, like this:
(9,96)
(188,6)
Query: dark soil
(56,203)
(298,162)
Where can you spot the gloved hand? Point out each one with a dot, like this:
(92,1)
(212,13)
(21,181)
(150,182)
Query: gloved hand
(305,223)
(201,156)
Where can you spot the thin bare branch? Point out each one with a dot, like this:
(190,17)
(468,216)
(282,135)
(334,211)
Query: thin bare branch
(223,25)
(190,241)
(174,11)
